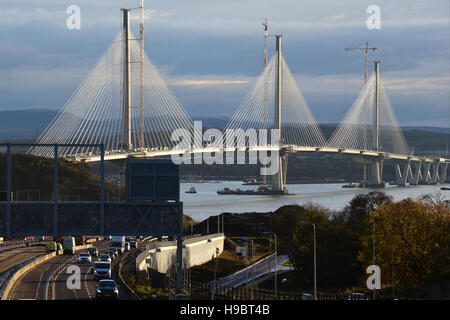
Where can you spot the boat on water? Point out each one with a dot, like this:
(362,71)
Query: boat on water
(191,190)
(262,190)
(445,188)
(251,182)
(351,185)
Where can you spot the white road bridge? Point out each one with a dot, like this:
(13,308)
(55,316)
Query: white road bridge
(124,104)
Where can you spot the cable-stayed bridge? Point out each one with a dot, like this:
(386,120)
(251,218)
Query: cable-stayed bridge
(110,108)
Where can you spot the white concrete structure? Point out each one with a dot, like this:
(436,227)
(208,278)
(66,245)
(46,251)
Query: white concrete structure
(161,256)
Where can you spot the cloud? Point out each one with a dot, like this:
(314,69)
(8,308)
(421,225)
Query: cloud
(418,85)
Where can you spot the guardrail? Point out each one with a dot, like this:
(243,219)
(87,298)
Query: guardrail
(131,292)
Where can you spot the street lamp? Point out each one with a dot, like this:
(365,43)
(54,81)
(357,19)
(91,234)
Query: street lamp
(276,253)
(315,260)
(373,242)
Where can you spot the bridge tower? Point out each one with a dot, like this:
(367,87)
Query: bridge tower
(278,179)
(375,179)
(126,76)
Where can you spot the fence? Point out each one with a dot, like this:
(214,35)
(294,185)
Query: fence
(199,290)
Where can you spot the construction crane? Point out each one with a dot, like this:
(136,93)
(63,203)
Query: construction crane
(266,34)
(366,54)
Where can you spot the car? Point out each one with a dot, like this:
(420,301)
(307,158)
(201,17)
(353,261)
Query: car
(114,252)
(104,257)
(357,296)
(117,251)
(133,244)
(110,254)
(101,269)
(84,257)
(93,251)
(127,246)
(106,289)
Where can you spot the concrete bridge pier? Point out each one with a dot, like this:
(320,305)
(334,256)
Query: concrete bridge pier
(425,175)
(376,174)
(405,176)
(279,178)
(443,172)
(435,172)
(417,173)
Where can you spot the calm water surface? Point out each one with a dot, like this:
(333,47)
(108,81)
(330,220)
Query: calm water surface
(206,202)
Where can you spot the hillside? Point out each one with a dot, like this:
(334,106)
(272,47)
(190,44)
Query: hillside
(32,177)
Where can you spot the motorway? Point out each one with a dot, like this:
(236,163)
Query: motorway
(14,257)
(48,280)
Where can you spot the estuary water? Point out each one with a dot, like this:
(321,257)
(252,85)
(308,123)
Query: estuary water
(206,202)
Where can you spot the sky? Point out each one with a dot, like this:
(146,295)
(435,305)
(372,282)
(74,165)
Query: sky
(210,52)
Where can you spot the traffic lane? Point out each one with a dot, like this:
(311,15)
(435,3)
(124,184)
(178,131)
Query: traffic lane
(14,257)
(62,288)
(88,284)
(33,283)
(123,295)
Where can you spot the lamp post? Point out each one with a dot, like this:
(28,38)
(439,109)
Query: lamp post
(215,272)
(315,260)
(276,253)
(373,242)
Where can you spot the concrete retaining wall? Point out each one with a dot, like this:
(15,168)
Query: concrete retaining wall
(196,251)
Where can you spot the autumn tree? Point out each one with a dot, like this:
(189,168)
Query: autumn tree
(414,236)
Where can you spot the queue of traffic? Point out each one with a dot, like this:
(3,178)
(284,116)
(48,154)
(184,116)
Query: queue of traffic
(101,267)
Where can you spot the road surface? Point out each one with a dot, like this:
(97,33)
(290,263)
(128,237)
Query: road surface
(14,257)
(36,283)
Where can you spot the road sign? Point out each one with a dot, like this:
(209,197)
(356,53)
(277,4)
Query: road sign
(152,179)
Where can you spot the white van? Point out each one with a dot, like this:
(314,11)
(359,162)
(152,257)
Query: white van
(101,269)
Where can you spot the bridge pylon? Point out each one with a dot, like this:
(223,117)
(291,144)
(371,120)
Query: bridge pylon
(278,179)
(376,167)
(126,74)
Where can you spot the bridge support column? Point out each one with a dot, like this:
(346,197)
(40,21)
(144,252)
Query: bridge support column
(402,175)
(375,177)
(435,172)
(417,173)
(278,178)
(426,175)
(126,112)
(398,174)
(443,172)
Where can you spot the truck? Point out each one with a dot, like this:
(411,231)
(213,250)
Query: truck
(51,246)
(118,242)
(69,245)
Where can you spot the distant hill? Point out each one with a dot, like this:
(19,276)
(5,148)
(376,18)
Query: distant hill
(22,124)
